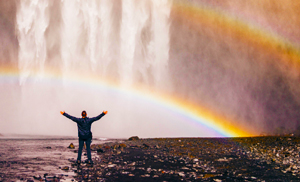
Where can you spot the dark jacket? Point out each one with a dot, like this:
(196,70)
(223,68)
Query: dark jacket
(84,125)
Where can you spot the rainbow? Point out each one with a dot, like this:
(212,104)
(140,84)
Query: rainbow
(191,111)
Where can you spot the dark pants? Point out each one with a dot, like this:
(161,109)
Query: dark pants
(88,148)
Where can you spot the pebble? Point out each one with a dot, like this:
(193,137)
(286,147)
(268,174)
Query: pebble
(65,168)
(181,174)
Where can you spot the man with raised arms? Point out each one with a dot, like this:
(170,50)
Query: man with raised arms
(84,132)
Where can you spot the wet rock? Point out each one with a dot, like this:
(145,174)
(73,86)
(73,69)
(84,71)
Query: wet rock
(66,168)
(52,178)
(181,174)
(217,180)
(71,146)
(223,160)
(100,151)
(185,168)
(132,164)
(37,177)
(111,165)
(146,146)
(134,138)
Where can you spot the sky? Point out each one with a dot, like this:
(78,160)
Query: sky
(161,68)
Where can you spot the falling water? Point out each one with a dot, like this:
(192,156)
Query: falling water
(32,22)
(93,35)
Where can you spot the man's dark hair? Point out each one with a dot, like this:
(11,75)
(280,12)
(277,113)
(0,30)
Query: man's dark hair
(83,114)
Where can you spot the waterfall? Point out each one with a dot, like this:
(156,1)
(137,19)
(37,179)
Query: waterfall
(160,26)
(127,38)
(32,22)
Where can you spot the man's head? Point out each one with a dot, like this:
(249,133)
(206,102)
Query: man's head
(83,114)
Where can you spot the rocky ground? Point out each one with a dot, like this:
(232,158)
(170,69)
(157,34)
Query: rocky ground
(195,159)
(189,159)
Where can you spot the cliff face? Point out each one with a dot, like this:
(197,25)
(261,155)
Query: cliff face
(9,41)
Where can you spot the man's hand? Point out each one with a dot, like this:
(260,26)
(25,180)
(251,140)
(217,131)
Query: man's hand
(62,112)
(105,112)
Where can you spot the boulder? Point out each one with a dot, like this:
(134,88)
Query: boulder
(71,146)
(134,138)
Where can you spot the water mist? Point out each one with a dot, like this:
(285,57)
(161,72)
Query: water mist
(125,41)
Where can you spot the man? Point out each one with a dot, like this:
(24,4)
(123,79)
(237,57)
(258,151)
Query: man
(84,132)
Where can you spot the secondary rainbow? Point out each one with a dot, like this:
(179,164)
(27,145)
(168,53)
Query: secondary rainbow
(225,25)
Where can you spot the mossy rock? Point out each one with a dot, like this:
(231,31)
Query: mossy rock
(122,145)
(95,147)
(71,146)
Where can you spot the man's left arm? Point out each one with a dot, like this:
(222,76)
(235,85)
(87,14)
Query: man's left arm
(98,117)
